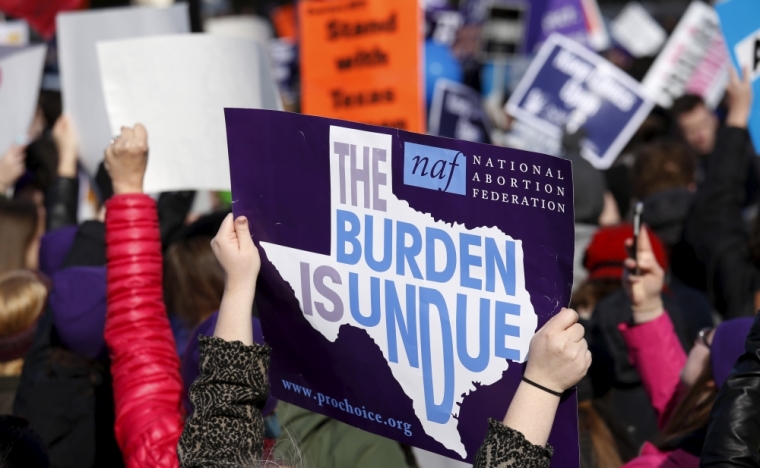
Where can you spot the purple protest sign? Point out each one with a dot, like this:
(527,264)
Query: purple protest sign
(579,20)
(568,87)
(403,275)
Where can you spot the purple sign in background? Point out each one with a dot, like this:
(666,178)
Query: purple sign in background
(280,174)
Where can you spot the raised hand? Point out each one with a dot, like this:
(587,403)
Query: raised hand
(11,167)
(127,158)
(645,288)
(240,260)
(67,143)
(739,96)
(235,251)
(558,357)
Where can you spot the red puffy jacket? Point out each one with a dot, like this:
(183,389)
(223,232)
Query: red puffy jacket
(144,363)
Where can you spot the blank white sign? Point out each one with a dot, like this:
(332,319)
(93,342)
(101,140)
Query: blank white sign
(178,86)
(20,76)
(82,91)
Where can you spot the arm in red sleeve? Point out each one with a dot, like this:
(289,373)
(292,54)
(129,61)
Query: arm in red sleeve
(655,351)
(144,363)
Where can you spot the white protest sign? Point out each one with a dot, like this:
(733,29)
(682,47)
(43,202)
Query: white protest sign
(14,33)
(20,76)
(178,87)
(694,60)
(747,54)
(636,31)
(247,27)
(82,91)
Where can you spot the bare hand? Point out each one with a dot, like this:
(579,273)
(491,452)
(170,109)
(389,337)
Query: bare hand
(558,357)
(11,167)
(127,158)
(645,288)
(67,143)
(236,252)
(739,95)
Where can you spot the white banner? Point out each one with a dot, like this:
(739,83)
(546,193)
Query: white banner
(82,92)
(178,87)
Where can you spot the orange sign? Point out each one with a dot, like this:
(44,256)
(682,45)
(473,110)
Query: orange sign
(361,61)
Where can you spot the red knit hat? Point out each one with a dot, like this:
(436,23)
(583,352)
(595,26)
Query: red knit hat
(606,252)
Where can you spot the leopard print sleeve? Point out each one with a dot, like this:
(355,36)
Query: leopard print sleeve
(505,447)
(227,428)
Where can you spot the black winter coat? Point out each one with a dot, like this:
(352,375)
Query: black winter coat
(733,433)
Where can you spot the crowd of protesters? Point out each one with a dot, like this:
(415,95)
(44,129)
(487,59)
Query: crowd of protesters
(133,339)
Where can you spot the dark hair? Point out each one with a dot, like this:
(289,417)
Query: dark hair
(693,412)
(193,279)
(662,165)
(684,105)
(20,445)
(18,226)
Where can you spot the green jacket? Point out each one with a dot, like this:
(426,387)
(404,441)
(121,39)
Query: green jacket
(326,443)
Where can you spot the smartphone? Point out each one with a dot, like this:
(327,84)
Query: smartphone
(637,211)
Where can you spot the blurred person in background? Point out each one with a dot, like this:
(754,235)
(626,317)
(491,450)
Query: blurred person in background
(193,278)
(23,296)
(733,433)
(681,387)
(20,235)
(619,393)
(715,229)
(702,131)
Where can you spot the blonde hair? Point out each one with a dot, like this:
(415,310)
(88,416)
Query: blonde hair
(22,299)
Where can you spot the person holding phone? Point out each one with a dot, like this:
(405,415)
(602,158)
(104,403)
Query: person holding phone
(681,387)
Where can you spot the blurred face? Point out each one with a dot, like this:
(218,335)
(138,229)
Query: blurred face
(697,358)
(698,128)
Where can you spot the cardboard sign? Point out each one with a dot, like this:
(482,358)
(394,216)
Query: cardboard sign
(637,32)
(456,112)
(401,299)
(568,87)
(503,33)
(178,87)
(361,61)
(740,22)
(14,33)
(579,20)
(81,89)
(20,77)
(694,60)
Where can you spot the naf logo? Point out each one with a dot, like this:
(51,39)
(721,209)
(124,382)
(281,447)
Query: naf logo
(434,168)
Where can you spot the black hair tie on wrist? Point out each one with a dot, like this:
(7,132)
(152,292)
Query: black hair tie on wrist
(541,387)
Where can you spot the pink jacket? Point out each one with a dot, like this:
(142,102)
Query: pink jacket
(655,351)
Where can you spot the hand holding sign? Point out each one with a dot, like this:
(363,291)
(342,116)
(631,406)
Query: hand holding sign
(558,359)
(11,167)
(126,160)
(559,356)
(739,94)
(237,254)
(235,251)
(644,289)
